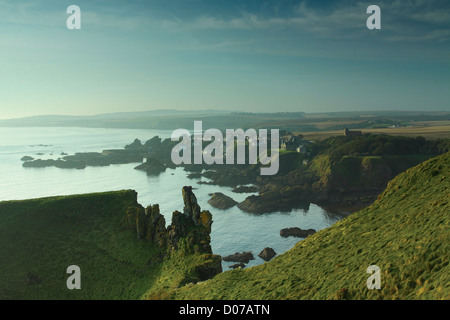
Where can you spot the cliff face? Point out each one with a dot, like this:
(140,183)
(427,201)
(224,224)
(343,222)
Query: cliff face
(188,233)
(357,178)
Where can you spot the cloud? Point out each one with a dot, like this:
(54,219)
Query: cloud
(406,20)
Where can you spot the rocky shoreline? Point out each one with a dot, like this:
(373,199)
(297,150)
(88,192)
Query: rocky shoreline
(343,183)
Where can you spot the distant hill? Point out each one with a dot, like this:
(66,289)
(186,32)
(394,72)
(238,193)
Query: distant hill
(156,119)
(406,233)
(171,119)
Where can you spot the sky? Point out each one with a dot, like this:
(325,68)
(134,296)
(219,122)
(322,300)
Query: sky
(251,56)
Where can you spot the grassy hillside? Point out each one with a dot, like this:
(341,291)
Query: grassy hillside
(40,238)
(405,232)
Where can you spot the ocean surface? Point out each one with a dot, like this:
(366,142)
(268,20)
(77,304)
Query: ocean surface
(232,231)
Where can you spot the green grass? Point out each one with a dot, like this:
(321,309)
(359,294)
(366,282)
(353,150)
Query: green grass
(405,232)
(42,237)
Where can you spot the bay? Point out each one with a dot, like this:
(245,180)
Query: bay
(232,231)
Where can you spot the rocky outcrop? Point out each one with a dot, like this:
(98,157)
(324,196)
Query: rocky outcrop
(267,254)
(137,144)
(220,201)
(27,158)
(243,257)
(149,223)
(273,201)
(83,159)
(296,232)
(189,229)
(39,163)
(189,232)
(152,166)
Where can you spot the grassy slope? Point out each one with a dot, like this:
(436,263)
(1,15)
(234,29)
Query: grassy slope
(44,236)
(405,232)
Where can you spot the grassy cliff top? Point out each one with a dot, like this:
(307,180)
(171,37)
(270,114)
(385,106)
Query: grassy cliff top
(405,233)
(40,238)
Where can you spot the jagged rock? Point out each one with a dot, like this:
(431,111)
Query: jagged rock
(237,265)
(156,226)
(141,223)
(191,207)
(221,201)
(135,145)
(267,254)
(296,232)
(188,233)
(243,257)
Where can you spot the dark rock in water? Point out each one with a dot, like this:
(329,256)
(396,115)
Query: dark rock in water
(260,204)
(243,257)
(152,166)
(38,163)
(27,158)
(267,254)
(64,154)
(194,175)
(237,265)
(221,201)
(296,232)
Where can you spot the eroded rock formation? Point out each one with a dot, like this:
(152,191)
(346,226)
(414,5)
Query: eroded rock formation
(189,232)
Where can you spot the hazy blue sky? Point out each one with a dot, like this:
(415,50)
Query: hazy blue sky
(242,55)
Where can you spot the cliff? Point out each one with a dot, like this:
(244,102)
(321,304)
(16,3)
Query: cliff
(405,232)
(122,249)
(188,233)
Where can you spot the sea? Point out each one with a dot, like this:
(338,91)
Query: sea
(232,230)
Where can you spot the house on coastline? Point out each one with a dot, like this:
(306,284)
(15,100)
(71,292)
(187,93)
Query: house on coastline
(294,143)
(349,133)
(289,143)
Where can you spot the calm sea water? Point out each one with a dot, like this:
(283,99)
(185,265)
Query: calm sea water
(233,230)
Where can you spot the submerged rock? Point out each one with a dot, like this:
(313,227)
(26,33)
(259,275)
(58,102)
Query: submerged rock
(221,201)
(296,232)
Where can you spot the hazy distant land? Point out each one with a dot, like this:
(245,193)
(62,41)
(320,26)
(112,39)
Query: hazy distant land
(313,126)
